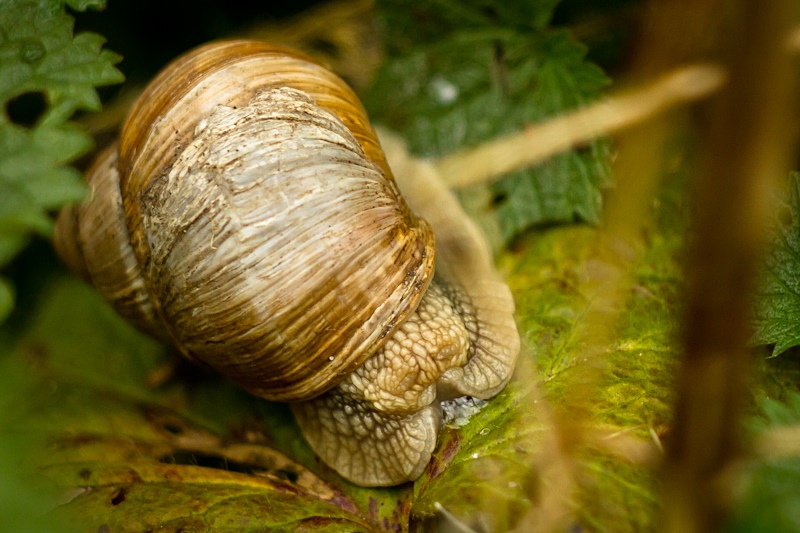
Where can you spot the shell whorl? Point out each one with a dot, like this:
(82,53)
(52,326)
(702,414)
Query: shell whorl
(93,241)
(271,238)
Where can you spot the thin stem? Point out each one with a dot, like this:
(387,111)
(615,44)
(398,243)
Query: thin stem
(535,144)
(779,443)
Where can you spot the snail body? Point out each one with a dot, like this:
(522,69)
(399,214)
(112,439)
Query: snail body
(247,215)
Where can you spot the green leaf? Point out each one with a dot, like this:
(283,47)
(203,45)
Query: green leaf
(410,24)
(476,78)
(135,457)
(12,242)
(25,497)
(771,502)
(777,413)
(40,55)
(778,301)
(83,5)
(6,299)
(480,473)
(34,163)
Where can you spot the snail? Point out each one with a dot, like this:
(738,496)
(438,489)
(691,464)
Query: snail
(248,216)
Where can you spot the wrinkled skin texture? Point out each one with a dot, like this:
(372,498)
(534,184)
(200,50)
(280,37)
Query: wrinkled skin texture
(379,426)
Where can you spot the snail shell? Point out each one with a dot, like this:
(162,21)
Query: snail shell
(248,216)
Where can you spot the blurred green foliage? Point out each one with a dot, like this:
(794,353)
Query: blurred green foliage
(497,69)
(771,502)
(778,303)
(46,75)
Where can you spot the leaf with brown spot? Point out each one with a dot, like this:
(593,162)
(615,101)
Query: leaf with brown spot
(135,459)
